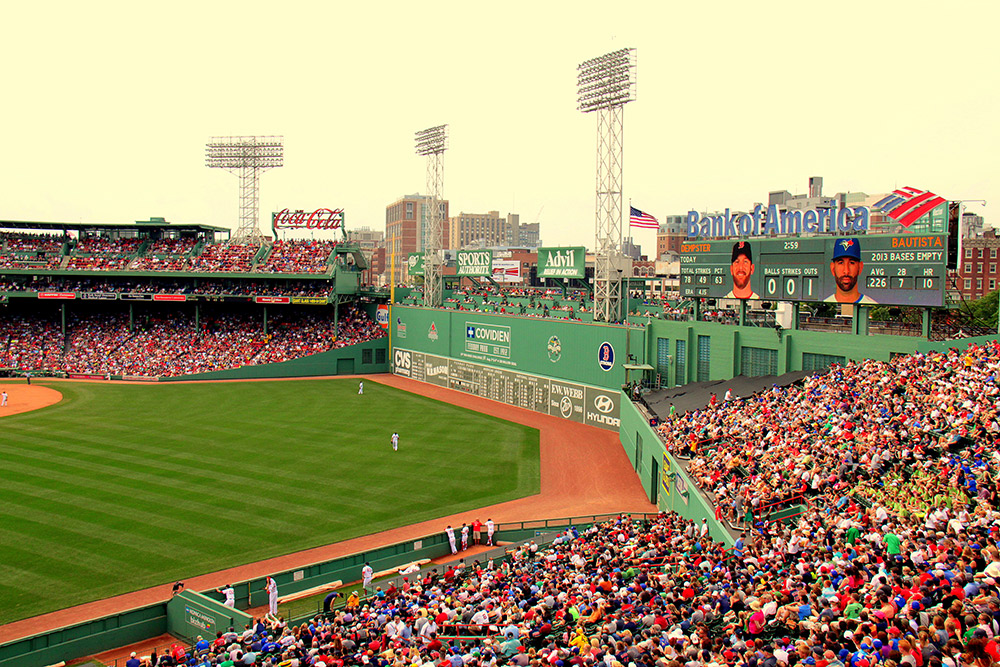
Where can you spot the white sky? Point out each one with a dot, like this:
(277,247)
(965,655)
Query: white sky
(107,106)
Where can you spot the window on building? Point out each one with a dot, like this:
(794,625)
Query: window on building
(409,210)
(968,283)
(993,284)
(968,267)
(968,253)
(979,283)
(819,362)
(993,268)
(993,252)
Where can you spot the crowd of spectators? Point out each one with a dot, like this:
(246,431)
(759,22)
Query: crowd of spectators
(30,251)
(659,592)
(168,344)
(205,286)
(298,257)
(225,258)
(164,255)
(99,253)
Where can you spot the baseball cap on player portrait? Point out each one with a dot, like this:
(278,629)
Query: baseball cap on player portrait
(741,248)
(847,248)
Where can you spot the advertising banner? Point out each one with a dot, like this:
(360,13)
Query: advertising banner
(135,296)
(57,295)
(580,403)
(98,296)
(566,262)
(169,297)
(272,299)
(415,264)
(474,263)
(382,316)
(902,270)
(506,271)
(310,300)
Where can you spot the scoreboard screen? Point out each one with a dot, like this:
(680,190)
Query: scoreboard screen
(902,270)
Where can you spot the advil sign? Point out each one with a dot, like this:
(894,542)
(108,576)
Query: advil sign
(561,262)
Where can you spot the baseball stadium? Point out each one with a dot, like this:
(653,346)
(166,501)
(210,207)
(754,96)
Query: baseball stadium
(199,467)
(228,448)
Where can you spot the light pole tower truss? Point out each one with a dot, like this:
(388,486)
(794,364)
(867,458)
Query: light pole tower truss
(605,84)
(432,143)
(247,157)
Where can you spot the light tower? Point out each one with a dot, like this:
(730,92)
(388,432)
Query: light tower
(432,143)
(246,157)
(605,84)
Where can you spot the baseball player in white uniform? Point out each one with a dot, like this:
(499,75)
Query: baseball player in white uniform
(395,442)
(366,576)
(450,532)
(361,387)
(490,527)
(465,537)
(230,594)
(3,399)
(272,596)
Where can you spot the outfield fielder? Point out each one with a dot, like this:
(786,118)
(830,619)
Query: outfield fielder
(395,442)
(3,399)
(272,596)
(361,387)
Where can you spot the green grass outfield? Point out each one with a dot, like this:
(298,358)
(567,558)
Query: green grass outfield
(121,487)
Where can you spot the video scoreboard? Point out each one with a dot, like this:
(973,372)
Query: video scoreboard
(902,270)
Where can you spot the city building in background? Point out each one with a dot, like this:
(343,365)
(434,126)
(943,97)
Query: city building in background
(406,229)
(670,235)
(483,230)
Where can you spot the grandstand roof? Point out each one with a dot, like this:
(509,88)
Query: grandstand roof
(152,223)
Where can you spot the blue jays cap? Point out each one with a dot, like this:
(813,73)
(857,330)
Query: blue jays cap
(847,248)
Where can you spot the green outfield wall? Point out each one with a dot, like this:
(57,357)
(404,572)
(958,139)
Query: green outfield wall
(563,369)
(662,476)
(368,357)
(683,352)
(540,346)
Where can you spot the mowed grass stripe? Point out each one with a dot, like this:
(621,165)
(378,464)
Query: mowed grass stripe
(179,480)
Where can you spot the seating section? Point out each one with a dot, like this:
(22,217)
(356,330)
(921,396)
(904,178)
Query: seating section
(30,251)
(225,258)
(167,344)
(96,253)
(298,257)
(164,255)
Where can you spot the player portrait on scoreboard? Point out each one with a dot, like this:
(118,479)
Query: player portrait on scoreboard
(741,268)
(846,267)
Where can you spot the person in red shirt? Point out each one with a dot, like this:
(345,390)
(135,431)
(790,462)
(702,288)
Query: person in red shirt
(477,528)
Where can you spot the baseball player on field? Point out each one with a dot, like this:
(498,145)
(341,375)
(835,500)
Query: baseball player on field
(271,586)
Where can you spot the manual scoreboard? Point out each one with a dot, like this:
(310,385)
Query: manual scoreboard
(904,270)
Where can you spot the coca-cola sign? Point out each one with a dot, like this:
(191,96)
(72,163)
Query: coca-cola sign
(321,218)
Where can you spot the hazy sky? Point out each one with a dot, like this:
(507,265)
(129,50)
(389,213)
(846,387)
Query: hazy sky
(107,106)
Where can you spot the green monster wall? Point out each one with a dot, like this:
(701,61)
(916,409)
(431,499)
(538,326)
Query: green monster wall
(547,347)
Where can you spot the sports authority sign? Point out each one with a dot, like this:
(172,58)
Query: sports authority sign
(321,218)
(561,262)
(474,263)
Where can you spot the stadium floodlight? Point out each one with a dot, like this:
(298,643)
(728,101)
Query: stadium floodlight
(246,157)
(432,143)
(605,84)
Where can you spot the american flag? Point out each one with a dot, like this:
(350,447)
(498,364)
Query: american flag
(907,205)
(637,218)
